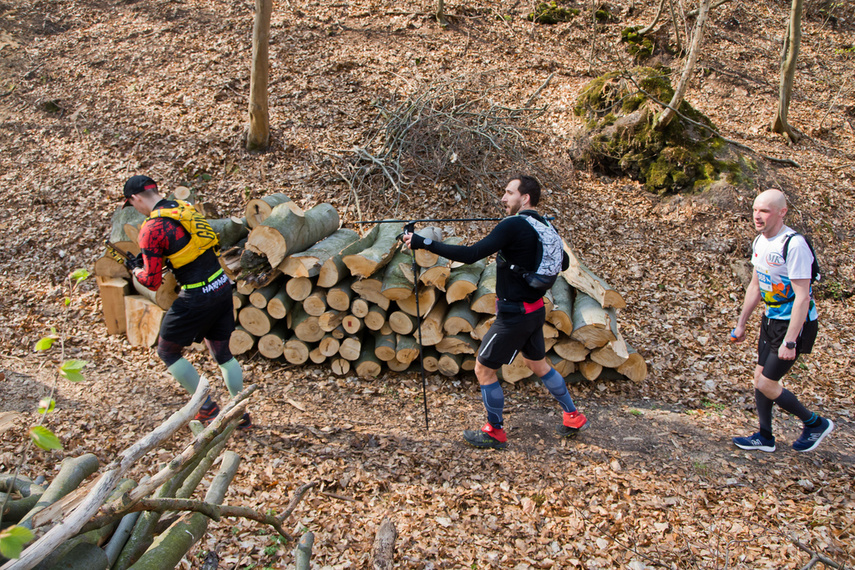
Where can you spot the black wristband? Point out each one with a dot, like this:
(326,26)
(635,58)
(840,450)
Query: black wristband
(417,242)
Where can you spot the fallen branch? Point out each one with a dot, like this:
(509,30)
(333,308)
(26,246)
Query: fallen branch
(93,537)
(441,135)
(179,486)
(228,413)
(538,91)
(171,546)
(72,473)
(212,511)
(383,555)
(303,552)
(815,557)
(74,521)
(143,533)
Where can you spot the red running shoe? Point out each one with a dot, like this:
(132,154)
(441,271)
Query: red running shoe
(207,412)
(573,423)
(487,437)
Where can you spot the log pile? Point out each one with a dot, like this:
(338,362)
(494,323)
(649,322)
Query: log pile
(309,290)
(112,521)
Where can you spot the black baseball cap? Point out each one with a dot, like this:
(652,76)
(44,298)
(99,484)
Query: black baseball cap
(137,184)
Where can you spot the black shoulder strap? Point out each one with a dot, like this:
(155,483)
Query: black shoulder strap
(816,272)
(787,245)
(786,248)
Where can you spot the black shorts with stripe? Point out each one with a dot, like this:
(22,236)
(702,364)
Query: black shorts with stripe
(772,334)
(200,313)
(510,334)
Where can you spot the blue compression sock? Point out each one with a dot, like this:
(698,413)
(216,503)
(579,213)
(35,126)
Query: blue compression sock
(494,402)
(554,382)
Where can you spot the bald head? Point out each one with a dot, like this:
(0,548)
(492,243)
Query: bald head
(773,198)
(770,206)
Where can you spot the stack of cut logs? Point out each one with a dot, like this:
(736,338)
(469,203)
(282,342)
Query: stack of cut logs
(308,290)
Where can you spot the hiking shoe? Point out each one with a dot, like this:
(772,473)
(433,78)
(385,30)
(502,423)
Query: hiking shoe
(487,437)
(811,436)
(573,423)
(207,412)
(245,423)
(755,441)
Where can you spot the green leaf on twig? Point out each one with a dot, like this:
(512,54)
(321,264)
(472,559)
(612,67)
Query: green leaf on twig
(13,539)
(79,275)
(47,405)
(70,369)
(44,438)
(45,343)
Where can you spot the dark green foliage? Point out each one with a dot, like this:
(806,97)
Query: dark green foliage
(552,13)
(602,15)
(619,117)
(638,46)
(52,107)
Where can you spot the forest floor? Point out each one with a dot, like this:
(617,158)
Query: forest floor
(93,91)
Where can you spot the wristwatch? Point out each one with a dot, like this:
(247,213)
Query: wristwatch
(790,344)
(428,241)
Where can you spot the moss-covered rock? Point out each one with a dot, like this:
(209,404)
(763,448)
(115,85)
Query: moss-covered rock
(619,137)
(638,46)
(603,15)
(552,13)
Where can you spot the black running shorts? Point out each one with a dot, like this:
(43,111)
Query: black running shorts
(772,333)
(195,316)
(512,333)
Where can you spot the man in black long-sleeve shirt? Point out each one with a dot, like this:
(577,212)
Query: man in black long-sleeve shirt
(520,311)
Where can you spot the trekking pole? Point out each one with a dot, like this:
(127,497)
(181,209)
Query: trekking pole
(424,220)
(410,227)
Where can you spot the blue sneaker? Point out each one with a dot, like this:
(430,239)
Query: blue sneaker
(755,441)
(811,436)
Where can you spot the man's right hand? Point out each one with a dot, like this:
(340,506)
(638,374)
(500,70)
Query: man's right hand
(134,263)
(413,241)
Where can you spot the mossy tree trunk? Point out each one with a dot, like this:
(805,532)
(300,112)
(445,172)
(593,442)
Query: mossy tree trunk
(258,134)
(664,118)
(789,54)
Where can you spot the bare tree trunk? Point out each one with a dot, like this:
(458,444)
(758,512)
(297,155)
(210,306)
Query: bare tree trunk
(440,13)
(668,114)
(676,27)
(693,13)
(789,54)
(649,28)
(258,135)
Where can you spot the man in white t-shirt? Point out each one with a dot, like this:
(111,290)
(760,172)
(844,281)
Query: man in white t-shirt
(782,281)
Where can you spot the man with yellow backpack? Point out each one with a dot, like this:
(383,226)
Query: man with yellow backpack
(174,235)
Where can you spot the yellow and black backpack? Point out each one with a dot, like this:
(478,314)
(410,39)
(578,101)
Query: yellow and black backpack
(202,235)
